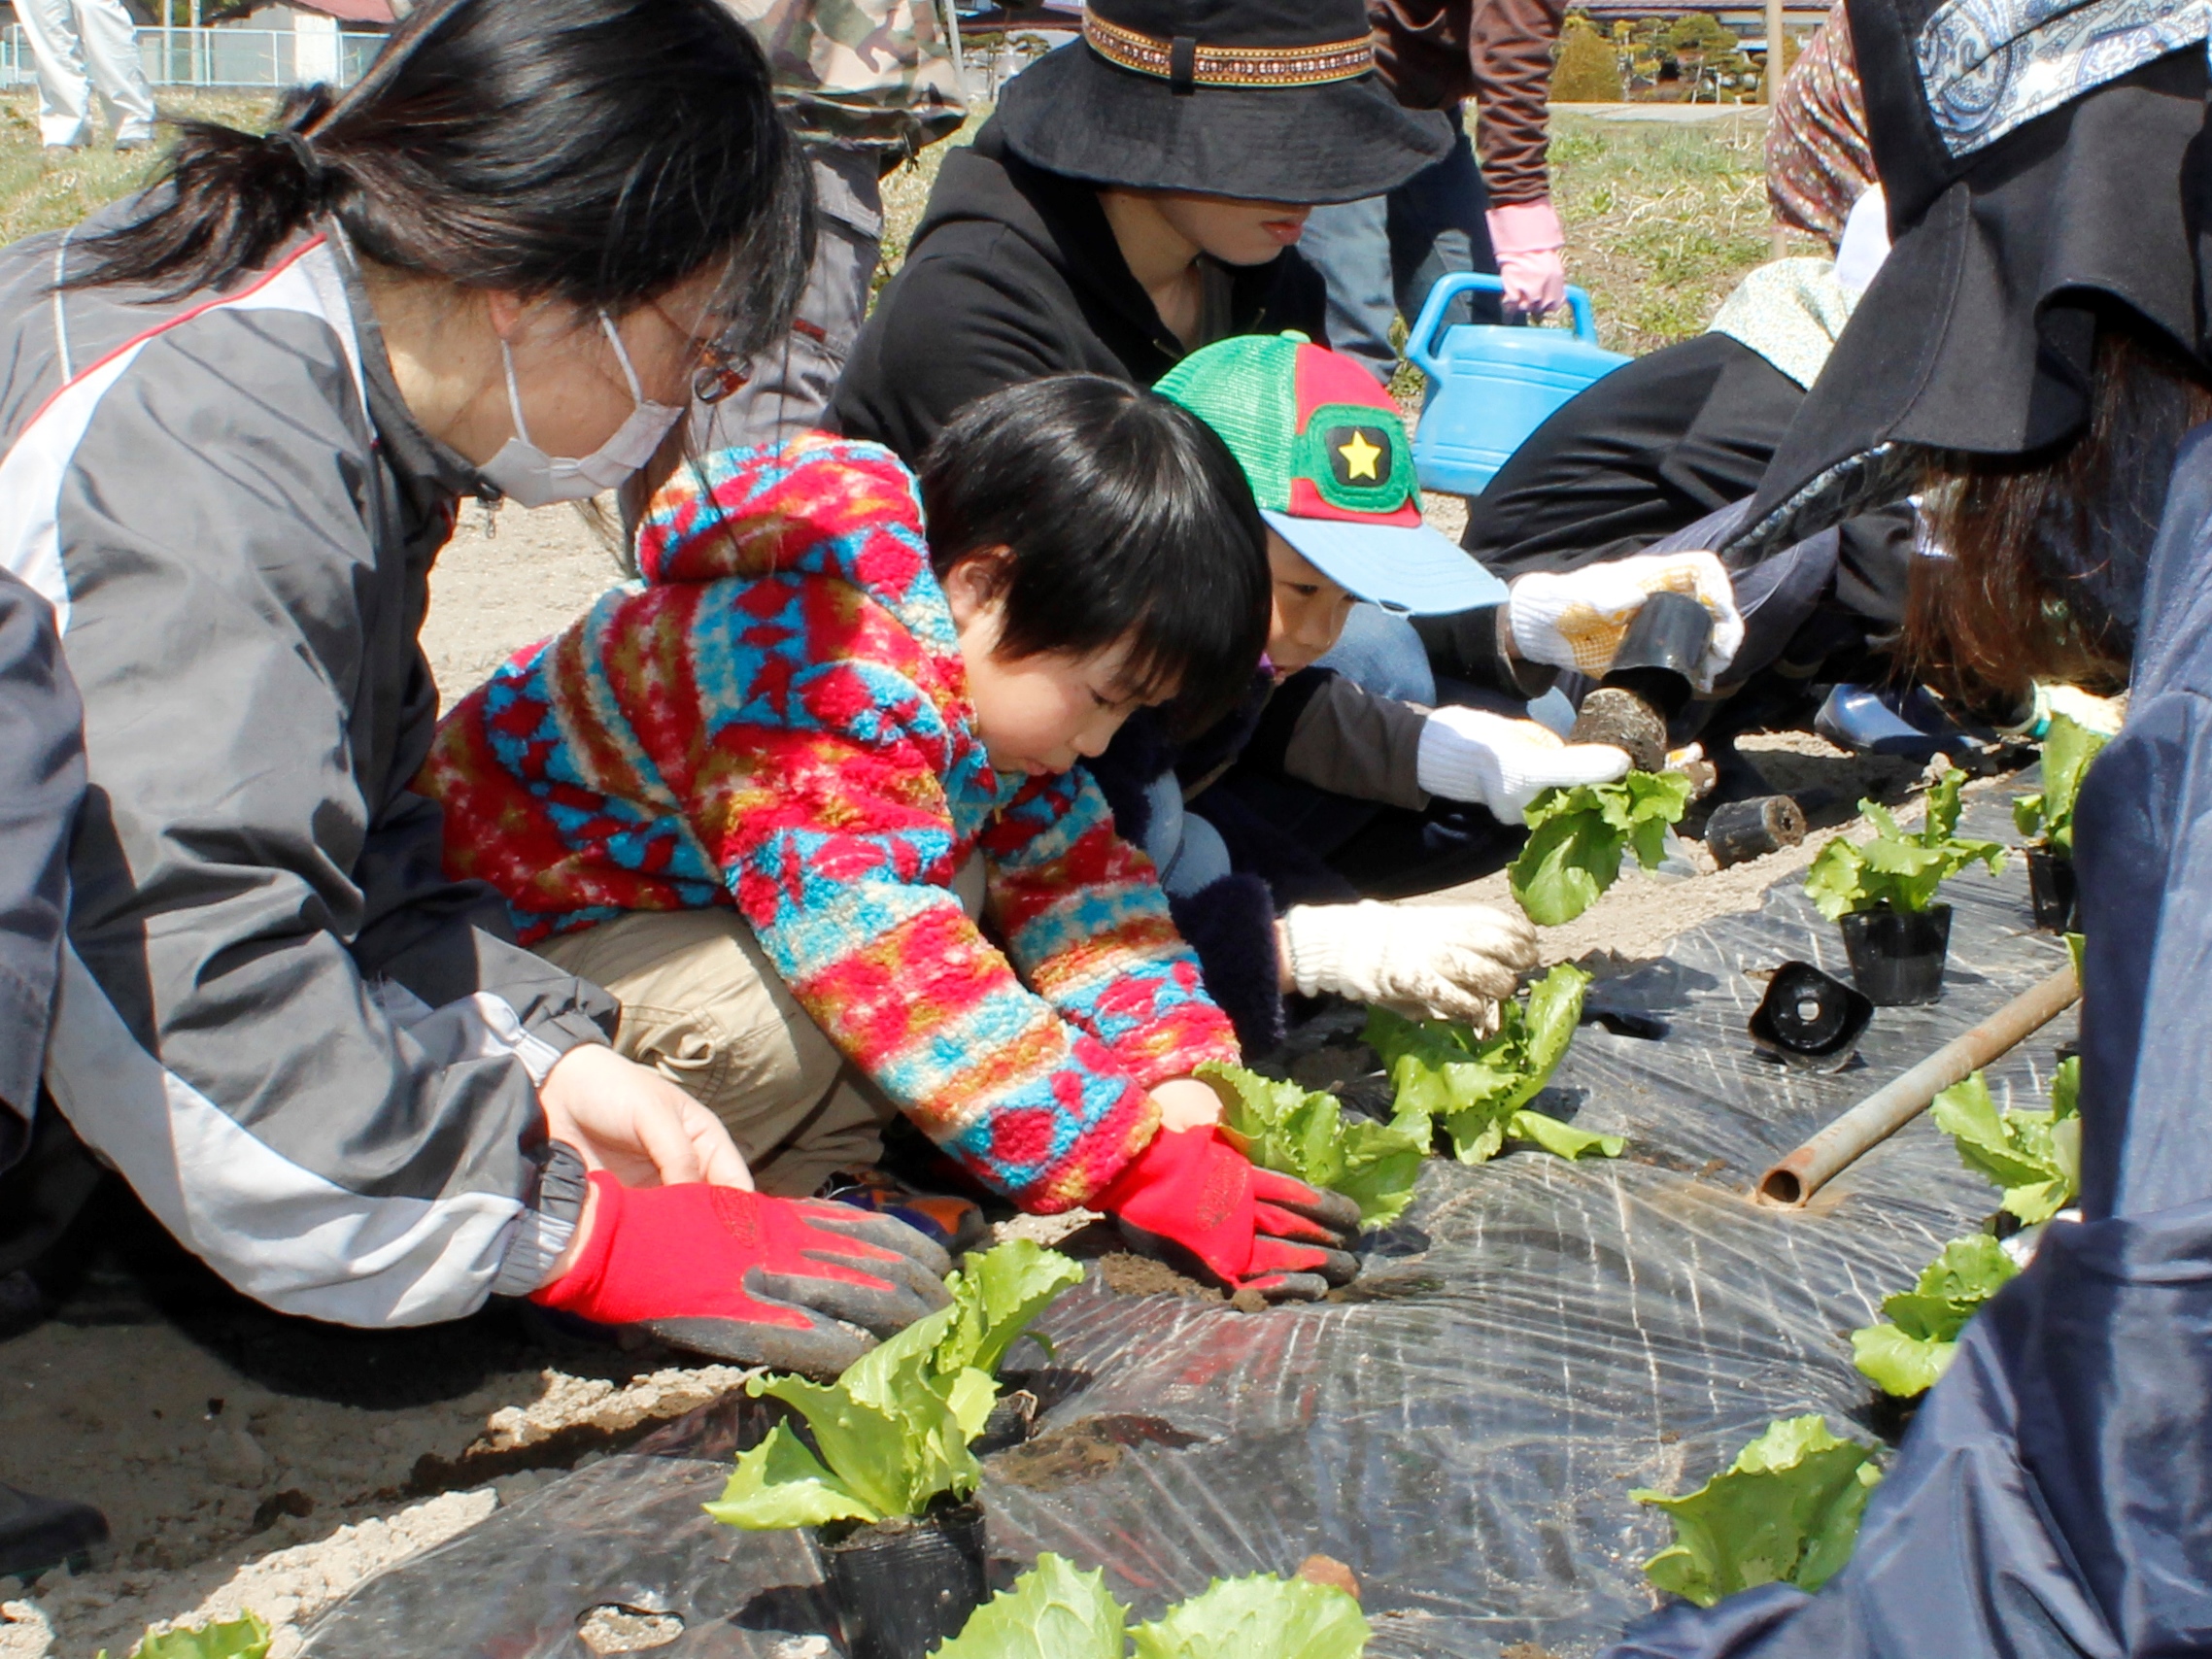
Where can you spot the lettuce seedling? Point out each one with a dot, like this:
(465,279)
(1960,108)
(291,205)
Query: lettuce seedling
(1899,870)
(1478,1088)
(1576,837)
(1053,1612)
(246,1638)
(1785,1511)
(1906,1355)
(2035,1156)
(1286,1128)
(894,1430)
(2048,815)
(995,1300)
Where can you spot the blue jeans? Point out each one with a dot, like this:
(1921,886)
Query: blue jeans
(1189,850)
(1379,652)
(1381,256)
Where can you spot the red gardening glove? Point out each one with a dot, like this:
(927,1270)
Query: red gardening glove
(749,1278)
(1194,1198)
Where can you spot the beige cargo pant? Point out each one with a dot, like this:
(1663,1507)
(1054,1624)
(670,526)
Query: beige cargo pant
(702,1005)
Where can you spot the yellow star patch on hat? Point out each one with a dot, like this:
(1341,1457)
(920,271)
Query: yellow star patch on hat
(1360,456)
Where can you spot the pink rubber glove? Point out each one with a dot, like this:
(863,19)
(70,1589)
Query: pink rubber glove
(1526,238)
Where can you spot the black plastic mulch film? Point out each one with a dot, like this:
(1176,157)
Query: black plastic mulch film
(1534,1339)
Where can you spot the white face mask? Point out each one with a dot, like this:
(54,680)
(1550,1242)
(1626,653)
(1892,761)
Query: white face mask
(526,474)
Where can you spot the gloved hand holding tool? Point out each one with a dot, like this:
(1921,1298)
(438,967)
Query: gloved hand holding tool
(1451,961)
(1526,238)
(1191,1198)
(748,1278)
(1504,765)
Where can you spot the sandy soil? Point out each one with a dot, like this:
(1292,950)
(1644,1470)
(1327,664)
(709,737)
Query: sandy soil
(247,1461)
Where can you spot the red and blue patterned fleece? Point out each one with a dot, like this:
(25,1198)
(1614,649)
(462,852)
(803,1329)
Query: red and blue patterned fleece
(778,716)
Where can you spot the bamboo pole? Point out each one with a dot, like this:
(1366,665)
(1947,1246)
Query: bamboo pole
(1806,1170)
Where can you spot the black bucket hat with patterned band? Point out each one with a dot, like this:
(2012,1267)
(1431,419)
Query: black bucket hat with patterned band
(1264,100)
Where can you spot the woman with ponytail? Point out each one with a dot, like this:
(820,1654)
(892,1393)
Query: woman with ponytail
(237,413)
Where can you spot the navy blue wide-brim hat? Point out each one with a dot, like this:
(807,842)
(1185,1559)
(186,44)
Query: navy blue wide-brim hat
(2043,161)
(1263,100)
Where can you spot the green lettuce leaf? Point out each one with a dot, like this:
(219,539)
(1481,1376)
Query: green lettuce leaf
(1053,1612)
(995,1299)
(2068,748)
(2035,1156)
(1577,837)
(1563,1140)
(1785,1511)
(1261,1618)
(893,1434)
(246,1638)
(1294,1132)
(780,1484)
(1907,1355)
(1900,1364)
(1898,870)
(1477,1087)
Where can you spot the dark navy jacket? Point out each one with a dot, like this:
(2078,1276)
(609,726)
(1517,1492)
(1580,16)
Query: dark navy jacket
(42,779)
(2055,1494)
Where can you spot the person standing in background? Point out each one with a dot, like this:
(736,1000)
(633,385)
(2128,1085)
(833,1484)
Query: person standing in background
(82,47)
(1382,256)
(867,84)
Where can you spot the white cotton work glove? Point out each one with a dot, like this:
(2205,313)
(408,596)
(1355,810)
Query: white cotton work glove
(1504,765)
(1452,962)
(1575,619)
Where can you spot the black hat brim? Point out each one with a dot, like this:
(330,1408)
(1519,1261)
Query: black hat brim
(1979,332)
(1074,114)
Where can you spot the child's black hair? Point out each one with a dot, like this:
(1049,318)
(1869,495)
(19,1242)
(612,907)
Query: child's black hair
(1124,517)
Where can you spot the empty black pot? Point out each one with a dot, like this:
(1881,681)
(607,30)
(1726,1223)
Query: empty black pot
(1898,956)
(1663,651)
(1810,1020)
(2051,890)
(1745,829)
(902,1586)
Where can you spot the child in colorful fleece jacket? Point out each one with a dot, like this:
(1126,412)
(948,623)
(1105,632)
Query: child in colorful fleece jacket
(809,713)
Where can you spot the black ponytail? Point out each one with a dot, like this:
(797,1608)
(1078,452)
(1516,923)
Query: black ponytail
(598,152)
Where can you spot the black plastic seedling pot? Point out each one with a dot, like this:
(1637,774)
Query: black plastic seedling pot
(1662,652)
(1898,956)
(2051,890)
(1809,1020)
(903,1585)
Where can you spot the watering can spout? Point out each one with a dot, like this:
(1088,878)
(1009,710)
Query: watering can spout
(1492,386)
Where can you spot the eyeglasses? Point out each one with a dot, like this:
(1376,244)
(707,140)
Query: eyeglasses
(721,373)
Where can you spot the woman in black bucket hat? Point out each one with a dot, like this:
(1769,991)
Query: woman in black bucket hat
(2033,357)
(1139,194)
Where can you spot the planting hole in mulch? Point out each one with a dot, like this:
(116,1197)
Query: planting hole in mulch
(612,1628)
(1085,1451)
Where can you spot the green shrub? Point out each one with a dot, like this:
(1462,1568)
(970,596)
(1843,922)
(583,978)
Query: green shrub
(1587,69)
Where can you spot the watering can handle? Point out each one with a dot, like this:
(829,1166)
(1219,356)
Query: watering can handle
(1420,342)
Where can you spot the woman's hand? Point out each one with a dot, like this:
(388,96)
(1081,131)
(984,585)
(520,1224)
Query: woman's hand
(636,1125)
(1186,1103)
(1444,961)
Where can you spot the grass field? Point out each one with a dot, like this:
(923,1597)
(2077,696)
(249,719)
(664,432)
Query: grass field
(1661,220)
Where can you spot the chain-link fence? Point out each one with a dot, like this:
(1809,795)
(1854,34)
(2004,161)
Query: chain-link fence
(223,58)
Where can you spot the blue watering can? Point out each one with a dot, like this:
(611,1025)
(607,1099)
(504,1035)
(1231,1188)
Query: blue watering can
(1491,386)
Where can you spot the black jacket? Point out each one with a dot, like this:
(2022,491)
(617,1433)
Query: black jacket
(1014,274)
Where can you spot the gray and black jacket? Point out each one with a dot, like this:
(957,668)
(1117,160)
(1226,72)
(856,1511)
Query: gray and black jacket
(313,1057)
(42,780)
